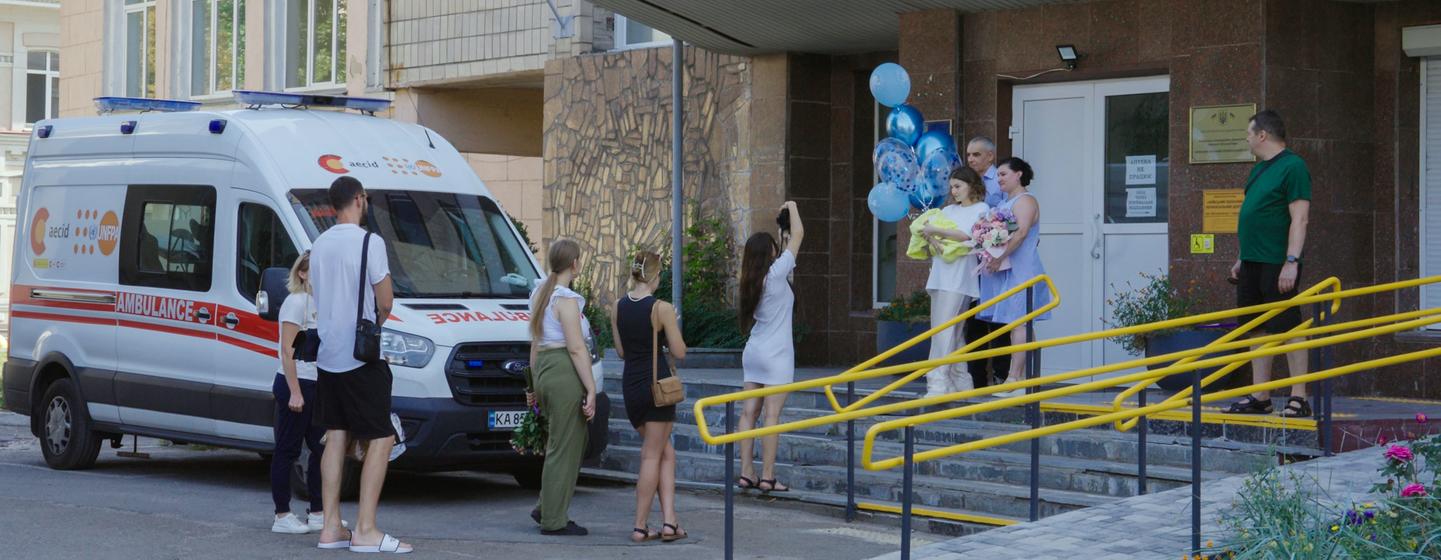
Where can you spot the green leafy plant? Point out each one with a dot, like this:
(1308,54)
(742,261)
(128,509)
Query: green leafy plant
(1274,518)
(524,234)
(1157,299)
(529,438)
(915,308)
(594,312)
(708,320)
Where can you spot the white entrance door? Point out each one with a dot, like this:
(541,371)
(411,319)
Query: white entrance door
(1101,155)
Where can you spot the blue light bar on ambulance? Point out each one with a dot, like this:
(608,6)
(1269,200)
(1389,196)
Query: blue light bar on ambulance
(112,104)
(259,98)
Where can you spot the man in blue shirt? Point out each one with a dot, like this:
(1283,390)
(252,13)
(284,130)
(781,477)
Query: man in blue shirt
(981,158)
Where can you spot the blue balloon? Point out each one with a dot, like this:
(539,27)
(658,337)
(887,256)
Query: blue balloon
(890,84)
(904,124)
(936,170)
(896,163)
(887,203)
(932,141)
(923,199)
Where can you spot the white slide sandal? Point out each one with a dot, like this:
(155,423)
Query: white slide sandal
(388,545)
(337,545)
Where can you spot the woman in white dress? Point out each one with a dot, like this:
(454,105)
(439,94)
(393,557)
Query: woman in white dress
(769,358)
(953,286)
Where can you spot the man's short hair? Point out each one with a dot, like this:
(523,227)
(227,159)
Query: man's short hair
(343,191)
(985,142)
(1270,122)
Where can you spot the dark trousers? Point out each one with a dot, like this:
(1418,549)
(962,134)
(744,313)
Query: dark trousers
(291,430)
(986,370)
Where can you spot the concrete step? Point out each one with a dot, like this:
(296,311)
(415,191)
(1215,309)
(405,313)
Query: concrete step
(1263,438)
(988,498)
(1107,478)
(1218,455)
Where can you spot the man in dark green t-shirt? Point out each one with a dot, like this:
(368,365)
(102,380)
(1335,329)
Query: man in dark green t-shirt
(1272,231)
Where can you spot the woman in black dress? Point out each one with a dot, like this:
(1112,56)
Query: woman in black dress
(636,329)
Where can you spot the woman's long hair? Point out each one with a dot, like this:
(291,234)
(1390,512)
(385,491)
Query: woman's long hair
(756,259)
(562,255)
(975,186)
(293,283)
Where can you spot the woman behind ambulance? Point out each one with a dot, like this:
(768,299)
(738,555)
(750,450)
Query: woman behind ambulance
(294,390)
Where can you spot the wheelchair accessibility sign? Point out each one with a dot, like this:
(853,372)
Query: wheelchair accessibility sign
(1203,243)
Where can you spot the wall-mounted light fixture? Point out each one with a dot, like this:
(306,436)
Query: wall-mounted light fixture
(1068,55)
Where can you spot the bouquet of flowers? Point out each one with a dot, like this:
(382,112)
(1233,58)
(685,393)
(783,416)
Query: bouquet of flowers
(990,234)
(529,438)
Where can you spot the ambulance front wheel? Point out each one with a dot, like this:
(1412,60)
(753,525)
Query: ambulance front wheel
(66,439)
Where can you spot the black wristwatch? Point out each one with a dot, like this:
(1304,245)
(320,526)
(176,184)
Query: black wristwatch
(1293,259)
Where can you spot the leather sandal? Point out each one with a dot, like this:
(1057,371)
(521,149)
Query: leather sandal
(1250,405)
(745,483)
(675,533)
(645,534)
(1296,407)
(774,486)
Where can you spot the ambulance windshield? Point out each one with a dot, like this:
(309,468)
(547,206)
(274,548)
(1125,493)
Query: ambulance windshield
(440,245)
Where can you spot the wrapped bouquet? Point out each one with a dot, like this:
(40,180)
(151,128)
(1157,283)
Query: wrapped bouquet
(990,234)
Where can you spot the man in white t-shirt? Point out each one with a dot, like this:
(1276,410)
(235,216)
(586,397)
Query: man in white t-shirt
(354,395)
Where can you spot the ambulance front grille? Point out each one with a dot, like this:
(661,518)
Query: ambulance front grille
(479,376)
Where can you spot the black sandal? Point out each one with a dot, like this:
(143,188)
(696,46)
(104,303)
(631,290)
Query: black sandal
(675,533)
(1296,407)
(1250,405)
(775,486)
(646,534)
(745,483)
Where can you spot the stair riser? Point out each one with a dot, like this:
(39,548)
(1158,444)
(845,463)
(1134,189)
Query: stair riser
(869,486)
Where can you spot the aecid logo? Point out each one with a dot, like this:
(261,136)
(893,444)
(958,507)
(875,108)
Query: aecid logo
(333,164)
(38,231)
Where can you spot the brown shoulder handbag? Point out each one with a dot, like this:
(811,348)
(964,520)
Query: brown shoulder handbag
(668,391)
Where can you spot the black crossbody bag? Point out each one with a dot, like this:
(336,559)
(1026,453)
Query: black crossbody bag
(367,333)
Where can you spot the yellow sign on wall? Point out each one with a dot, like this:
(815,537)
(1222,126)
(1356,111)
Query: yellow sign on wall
(1221,209)
(1218,133)
(1203,243)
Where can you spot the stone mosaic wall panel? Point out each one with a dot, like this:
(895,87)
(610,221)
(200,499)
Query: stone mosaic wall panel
(607,151)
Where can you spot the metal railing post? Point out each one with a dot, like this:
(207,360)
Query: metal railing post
(850,456)
(729,483)
(1033,410)
(1141,446)
(908,473)
(1195,462)
(1323,404)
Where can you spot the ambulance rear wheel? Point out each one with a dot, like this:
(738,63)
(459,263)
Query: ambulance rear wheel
(66,439)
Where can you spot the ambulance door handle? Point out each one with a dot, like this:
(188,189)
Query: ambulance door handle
(231,320)
(203,314)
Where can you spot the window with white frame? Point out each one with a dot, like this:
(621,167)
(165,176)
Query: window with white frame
(315,43)
(883,242)
(217,46)
(1431,180)
(631,34)
(140,48)
(42,85)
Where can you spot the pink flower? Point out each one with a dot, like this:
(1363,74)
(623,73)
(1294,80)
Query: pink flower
(1399,453)
(1413,490)
(1381,440)
(1420,418)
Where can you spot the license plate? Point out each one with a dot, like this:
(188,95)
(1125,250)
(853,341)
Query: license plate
(505,419)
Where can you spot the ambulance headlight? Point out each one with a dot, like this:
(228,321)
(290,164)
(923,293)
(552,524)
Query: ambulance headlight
(407,350)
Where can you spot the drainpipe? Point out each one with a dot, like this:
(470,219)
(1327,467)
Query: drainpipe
(677,123)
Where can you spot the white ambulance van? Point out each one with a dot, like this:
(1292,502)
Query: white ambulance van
(150,264)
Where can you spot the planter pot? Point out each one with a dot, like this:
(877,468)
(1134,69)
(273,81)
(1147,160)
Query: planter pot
(889,334)
(1187,340)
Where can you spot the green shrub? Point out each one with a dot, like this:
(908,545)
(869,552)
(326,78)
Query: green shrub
(915,308)
(1156,300)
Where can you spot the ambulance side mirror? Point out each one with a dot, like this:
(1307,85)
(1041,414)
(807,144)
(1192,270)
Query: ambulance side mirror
(272,292)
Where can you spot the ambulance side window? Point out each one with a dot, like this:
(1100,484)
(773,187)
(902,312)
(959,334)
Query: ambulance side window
(263,243)
(172,229)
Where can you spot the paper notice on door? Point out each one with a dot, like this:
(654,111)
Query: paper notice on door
(1141,203)
(1140,170)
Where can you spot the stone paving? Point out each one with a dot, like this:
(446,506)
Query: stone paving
(1151,526)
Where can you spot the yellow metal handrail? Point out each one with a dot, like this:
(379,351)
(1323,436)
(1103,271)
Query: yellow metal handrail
(972,312)
(848,415)
(1399,322)
(1119,401)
